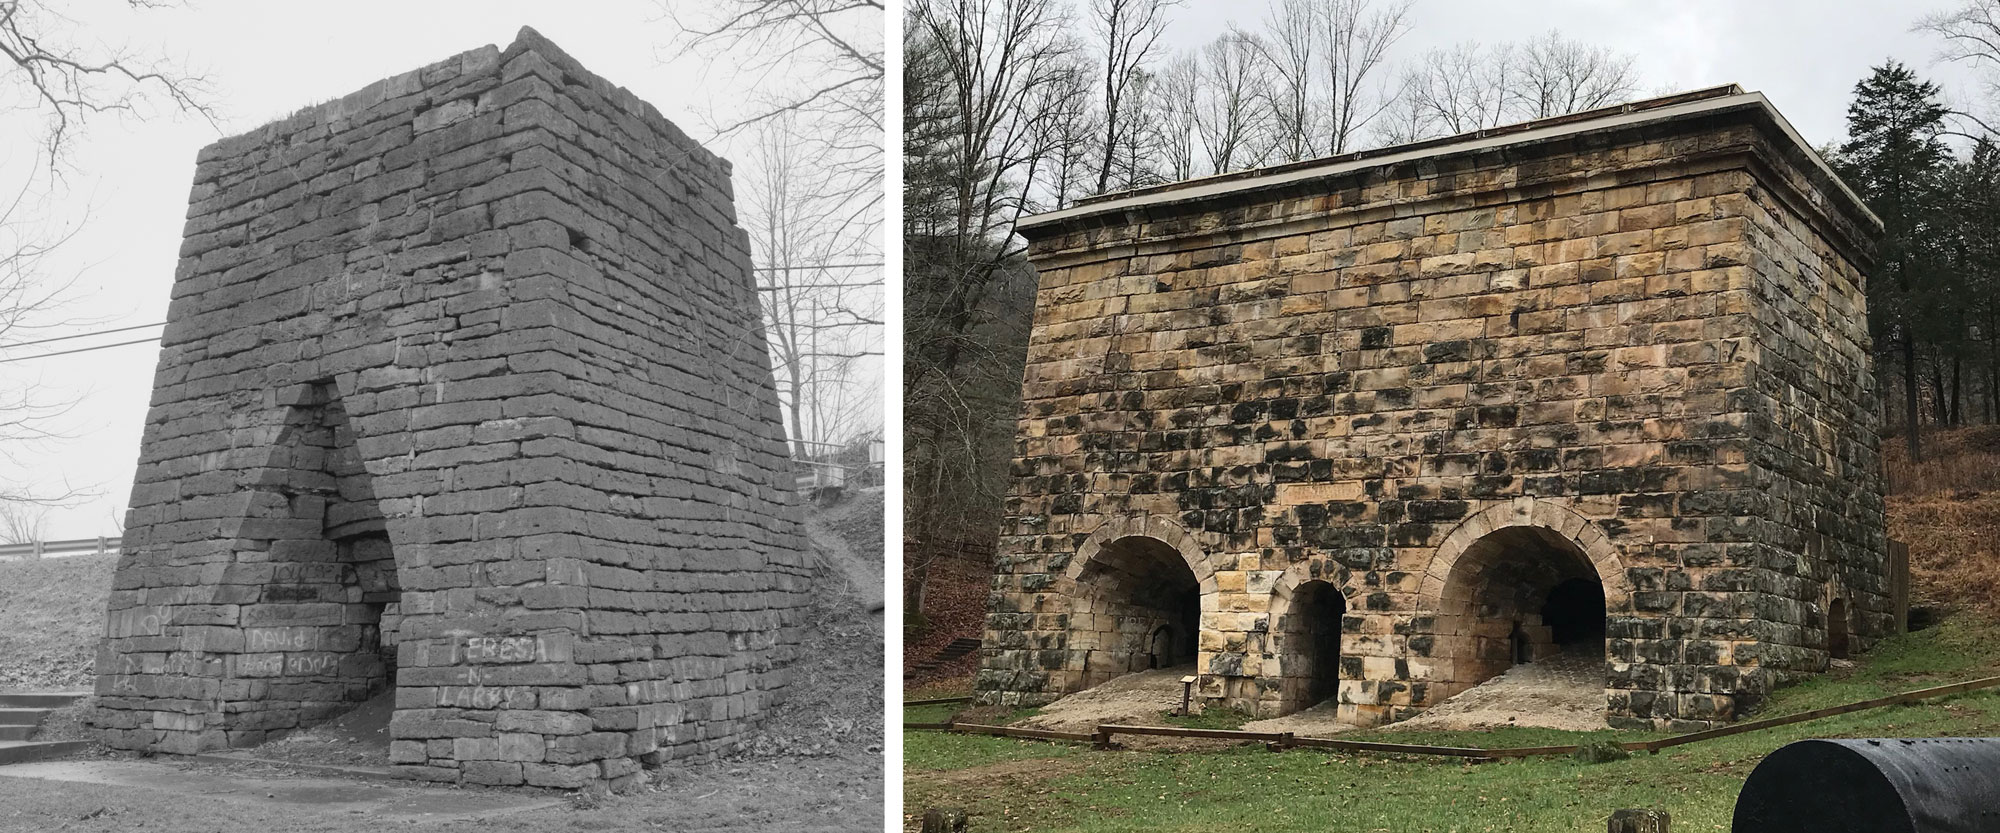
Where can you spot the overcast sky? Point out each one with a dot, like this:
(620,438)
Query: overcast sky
(265,60)
(268,59)
(1805,55)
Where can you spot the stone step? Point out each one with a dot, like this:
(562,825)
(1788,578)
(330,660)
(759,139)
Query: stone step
(16,732)
(21,751)
(39,699)
(22,717)
(950,653)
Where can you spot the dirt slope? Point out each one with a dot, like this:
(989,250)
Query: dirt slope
(954,607)
(51,616)
(848,536)
(835,706)
(1947,509)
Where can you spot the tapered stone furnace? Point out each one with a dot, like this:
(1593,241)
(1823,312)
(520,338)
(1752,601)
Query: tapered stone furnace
(464,396)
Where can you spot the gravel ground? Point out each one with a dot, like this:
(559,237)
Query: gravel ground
(1562,692)
(819,795)
(1135,699)
(1315,722)
(357,738)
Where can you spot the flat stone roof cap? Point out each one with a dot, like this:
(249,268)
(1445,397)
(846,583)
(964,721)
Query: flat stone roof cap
(1665,108)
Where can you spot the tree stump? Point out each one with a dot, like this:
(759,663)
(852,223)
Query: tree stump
(951,820)
(1637,821)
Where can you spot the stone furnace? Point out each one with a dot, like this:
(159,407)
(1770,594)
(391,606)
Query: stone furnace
(1379,426)
(464,395)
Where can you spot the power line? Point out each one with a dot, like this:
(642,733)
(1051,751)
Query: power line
(83,335)
(78,350)
(849,285)
(818,266)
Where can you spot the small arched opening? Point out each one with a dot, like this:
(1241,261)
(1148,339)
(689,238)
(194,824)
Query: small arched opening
(1309,644)
(1137,607)
(1520,594)
(1836,629)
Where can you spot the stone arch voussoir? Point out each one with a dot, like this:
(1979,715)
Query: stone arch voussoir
(1286,586)
(1157,527)
(1556,517)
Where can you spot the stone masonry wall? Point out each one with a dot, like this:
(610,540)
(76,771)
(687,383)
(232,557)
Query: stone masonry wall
(1820,419)
(1632,357)
(463,392)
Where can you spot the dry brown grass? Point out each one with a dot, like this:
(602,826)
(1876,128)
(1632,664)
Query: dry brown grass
(1947,509)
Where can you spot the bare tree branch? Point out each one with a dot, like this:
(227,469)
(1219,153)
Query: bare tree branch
(1357,40)
(67,83)
(1971,35)
(1472,87)
(1129,30)
(833,50)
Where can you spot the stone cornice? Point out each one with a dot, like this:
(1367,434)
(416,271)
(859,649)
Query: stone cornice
(1782,160)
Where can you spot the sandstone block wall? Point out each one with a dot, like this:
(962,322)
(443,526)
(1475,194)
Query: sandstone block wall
(463,393)
(1604,386)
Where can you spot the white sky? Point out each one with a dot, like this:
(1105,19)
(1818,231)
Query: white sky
(265,60)
(1805,55)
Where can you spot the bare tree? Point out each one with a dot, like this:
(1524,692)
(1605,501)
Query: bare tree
(814,200)
(1000,126)
(818,324)
(1066,132)
(1006,78)
(1457,90)
(31,306)
(1234,127)
(1971,35)
(1129,30)
(66,78)
(1357,38)
(1177,95)
(1290,45)
(23,523)
(63,79)
(1001,63)
(1559,76)
(1135,159)
(832,53)
(1471,87)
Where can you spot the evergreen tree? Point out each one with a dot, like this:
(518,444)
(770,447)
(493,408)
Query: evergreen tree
(1896,158)
(1977,210)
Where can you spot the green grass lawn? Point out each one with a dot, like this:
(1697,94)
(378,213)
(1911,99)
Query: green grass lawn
(1009,784)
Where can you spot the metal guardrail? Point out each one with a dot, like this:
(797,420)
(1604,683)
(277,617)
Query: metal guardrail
(57,549)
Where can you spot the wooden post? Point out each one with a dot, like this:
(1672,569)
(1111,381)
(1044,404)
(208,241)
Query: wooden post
(1638,821)
(1899,585)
